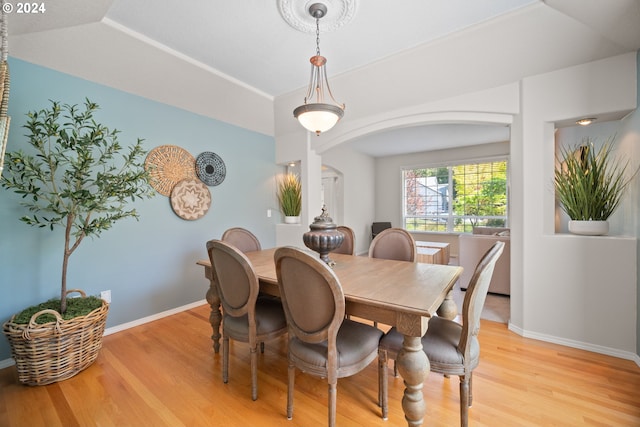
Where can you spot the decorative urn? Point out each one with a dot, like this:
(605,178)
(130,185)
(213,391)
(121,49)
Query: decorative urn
(323,237)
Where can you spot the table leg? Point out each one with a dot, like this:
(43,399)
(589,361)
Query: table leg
(413,365)
(215,317)
(448,308)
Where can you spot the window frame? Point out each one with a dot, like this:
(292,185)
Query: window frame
(452,218)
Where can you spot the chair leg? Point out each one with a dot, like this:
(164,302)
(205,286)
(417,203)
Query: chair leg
(383,390)
(292,377)
(254,373)
(470,389)
(332,404)
(261,346)
(225,359)
(464,400)
(395,369)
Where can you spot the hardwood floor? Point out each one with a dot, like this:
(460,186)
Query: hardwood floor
(165,374)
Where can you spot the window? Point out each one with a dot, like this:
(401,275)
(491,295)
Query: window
(456,198)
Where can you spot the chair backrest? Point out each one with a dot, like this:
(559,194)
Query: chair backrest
(242,239)
(393,243)
(311,296)
(377,227)
(475,296)
(235,279)
(348,245)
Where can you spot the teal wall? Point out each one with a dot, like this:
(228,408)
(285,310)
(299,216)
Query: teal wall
(149,265)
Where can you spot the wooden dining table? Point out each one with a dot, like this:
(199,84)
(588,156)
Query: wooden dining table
(396,293)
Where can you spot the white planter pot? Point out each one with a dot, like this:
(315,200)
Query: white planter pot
(292,219)
(589,228)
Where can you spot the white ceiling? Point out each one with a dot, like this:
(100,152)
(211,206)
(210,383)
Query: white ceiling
(250,43)
(275,55)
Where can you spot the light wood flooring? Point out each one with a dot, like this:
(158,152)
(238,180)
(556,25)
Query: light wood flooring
(165,373)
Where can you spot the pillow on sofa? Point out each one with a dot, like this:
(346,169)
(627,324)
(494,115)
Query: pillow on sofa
(489,230)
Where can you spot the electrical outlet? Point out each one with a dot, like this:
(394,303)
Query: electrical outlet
(268,213)
(106,295)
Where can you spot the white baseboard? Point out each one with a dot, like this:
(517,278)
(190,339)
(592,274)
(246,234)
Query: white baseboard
(627,355)
(138,322)
(118,328)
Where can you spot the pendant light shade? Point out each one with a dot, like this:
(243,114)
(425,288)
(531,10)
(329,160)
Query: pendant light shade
(318,117)
(315,114)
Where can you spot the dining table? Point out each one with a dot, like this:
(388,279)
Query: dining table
(395,293)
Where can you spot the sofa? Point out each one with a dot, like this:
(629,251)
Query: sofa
(473,246)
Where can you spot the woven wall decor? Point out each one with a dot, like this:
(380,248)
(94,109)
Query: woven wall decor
(210,168)
(190,199)
(168,165)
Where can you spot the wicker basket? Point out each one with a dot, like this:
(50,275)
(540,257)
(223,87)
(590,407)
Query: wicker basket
(58,350)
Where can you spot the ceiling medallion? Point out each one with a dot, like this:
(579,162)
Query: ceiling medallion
(296,14)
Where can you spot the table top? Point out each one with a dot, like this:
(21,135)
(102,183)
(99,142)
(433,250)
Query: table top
(412,288)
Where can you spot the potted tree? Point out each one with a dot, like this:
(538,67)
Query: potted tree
(589,185)
(290,198)
(77,176)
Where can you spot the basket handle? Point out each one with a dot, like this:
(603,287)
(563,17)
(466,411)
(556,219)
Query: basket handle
(32,322)
(80,291)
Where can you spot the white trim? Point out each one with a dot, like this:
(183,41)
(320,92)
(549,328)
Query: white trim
(153,317)
(118,328)
(128,31)
(608,351)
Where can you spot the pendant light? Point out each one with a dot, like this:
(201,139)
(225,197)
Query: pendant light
(318,116)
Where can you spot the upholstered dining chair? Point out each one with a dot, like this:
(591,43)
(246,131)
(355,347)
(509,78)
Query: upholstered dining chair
(242,239)
(348,245)
(393,243)
(246,241)
(322,342)
(245,318)
(452,348)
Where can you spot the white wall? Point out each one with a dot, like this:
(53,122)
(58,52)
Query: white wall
(575,290)
(359,178)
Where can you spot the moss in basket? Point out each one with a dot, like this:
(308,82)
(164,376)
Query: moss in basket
(76,307)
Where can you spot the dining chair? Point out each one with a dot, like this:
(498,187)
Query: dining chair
(348,245)
(242,239)
(322,342)
(246,241)
(452,348)
(393,243)
(245,318)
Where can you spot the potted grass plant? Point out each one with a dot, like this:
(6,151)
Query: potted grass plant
(290,198)
(78,177)
(589,185)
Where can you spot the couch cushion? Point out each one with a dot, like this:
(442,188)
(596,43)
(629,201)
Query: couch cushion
(490,230)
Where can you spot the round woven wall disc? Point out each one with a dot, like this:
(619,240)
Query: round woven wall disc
(190,199)
(210,168)
(168,165)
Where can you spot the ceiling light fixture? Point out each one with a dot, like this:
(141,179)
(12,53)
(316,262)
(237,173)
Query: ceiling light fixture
(318,116)
(586,121)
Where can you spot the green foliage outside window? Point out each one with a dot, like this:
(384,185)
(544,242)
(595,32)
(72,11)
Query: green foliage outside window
(476,195)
